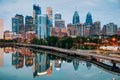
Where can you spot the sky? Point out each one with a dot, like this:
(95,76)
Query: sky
(105,11)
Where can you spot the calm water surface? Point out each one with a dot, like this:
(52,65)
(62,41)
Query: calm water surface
(23,64)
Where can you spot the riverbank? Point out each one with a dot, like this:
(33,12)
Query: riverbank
(83,53)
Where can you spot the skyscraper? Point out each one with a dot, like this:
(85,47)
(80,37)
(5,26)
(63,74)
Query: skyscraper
(28,23)
(36,12)
(21,23)
(58,20)
(95,28)
(76,18)
(88,19)
(110,29)
(57,16)
(15,25)
(43,26)
(1,29)
(49,13)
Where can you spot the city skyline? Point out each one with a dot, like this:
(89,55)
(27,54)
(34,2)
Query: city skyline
(99,9)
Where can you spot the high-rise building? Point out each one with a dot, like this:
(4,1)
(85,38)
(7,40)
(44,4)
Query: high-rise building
(21,23)
(95,29)
(36,12)
(88,19)
(1,28)
(49,13)
(58,16)
(59,23)
(15,25)
(29,23)
(1,57)
(43,26)
(76,18)
(58,20)
(110,29)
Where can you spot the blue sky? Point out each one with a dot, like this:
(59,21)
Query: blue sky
(102,10)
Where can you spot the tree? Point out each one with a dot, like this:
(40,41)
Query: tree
(52,40)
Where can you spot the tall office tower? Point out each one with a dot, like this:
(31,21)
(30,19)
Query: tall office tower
(79,29)
(110,29)
(15,25)
(76,19)
(88,19)
(21,23)
(49,13)
(95,29)
(28,23)
(58,16)
(36,12)
(1,28)
(43,26)
(58,20)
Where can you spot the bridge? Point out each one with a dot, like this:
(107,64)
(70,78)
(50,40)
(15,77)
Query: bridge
(81,53)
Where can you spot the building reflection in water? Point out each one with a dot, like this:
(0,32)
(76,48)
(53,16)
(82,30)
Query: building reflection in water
(1,56)
(75,64)
(88,65)
(17,60)
(42,64)
(57,64)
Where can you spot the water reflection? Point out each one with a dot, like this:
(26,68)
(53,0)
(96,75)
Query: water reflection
(43,63)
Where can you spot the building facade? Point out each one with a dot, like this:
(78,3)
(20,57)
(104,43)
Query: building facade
(36,12)
(29,23)
(20,23)
(43,26)
(49,13)
(110,29)
(1,28)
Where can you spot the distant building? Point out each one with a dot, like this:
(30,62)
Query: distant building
(71,30)
(109,29)
(58,20)
(43,26)
(49,13)
(87,30)
(118,31)
(15,25)
(1,28)
(20,23)
(58,16)
(1,57)
(59,23)
(36,12)
(8,35)
(95,28)
(88,19)
(75,29)
(29,23)
(60,32)
(76,18)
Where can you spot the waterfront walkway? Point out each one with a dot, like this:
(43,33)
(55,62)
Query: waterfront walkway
(84,53)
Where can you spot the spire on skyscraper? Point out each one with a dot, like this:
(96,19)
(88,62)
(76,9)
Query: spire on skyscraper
(88,19)
(76,18)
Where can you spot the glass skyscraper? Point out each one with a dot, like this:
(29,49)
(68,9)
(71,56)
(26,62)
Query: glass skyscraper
(43,26)
(15,25)
(28,23)
(76,18)
(36,12)
(20,23)
(57,16)
(88,19)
